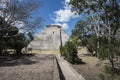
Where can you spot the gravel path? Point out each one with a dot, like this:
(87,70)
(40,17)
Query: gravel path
(37,67)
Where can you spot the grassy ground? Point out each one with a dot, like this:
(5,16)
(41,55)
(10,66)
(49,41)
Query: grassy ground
(55,52)
(92,68)
(89,70)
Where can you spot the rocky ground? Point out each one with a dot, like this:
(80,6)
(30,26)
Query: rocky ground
(32,67)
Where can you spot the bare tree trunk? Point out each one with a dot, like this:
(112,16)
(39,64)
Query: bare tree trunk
(112,64)
(1,42)
(97,32)
(109,44)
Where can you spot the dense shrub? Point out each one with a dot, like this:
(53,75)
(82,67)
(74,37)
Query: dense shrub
(69,51)
(107,69)
(62,50)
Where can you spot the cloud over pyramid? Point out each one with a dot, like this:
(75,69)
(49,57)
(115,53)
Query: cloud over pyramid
(49,38)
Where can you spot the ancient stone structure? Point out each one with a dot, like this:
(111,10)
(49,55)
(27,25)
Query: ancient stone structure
(50,38)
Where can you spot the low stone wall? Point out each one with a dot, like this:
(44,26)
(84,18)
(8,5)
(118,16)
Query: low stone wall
(61,76)
(56,74)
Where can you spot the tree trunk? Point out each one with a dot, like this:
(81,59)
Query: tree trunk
(0,51)
(112,65)
(18,53)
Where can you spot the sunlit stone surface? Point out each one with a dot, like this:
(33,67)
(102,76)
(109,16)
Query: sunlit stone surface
(49,38)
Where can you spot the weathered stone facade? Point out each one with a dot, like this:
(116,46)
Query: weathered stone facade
(49,38)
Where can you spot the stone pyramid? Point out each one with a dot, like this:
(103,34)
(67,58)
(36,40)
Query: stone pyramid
(49,38)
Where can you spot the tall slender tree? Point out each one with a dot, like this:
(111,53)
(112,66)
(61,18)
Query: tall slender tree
(108,11)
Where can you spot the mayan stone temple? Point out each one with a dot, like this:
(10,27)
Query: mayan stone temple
(50,38)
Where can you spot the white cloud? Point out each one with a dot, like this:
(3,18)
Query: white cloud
(19,24)
(63,25)
(66,6)
(64,15)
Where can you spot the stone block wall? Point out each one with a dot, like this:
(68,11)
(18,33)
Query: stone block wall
(49,38)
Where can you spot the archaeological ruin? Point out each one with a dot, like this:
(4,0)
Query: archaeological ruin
(50,38)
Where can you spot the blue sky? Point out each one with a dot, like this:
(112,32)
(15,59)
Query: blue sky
(58,12)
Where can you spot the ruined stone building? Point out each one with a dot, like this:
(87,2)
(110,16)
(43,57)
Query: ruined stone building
(49,38)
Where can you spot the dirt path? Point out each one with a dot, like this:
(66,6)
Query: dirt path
(37,67)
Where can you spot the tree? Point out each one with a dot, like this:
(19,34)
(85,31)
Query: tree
(15,12)
(75,40)
(94,23)
(21,12)
(70,52)
(9,36)
(19,43)
(18,10)
(108,11)
(83,35)
(80,31)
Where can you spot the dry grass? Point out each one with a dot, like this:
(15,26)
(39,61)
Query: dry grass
(89,60)
(89,70)
(55,52)
(85,56)
(82,50)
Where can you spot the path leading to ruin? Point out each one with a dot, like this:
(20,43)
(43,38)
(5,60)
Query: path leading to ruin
(68,72)
(36,67)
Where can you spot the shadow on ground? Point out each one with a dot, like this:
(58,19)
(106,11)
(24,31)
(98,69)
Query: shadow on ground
(12,60)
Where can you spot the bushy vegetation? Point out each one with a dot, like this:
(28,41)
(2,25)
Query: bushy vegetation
(108,77)
(69,51)
(14,40)
(14,13)
(99,32)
